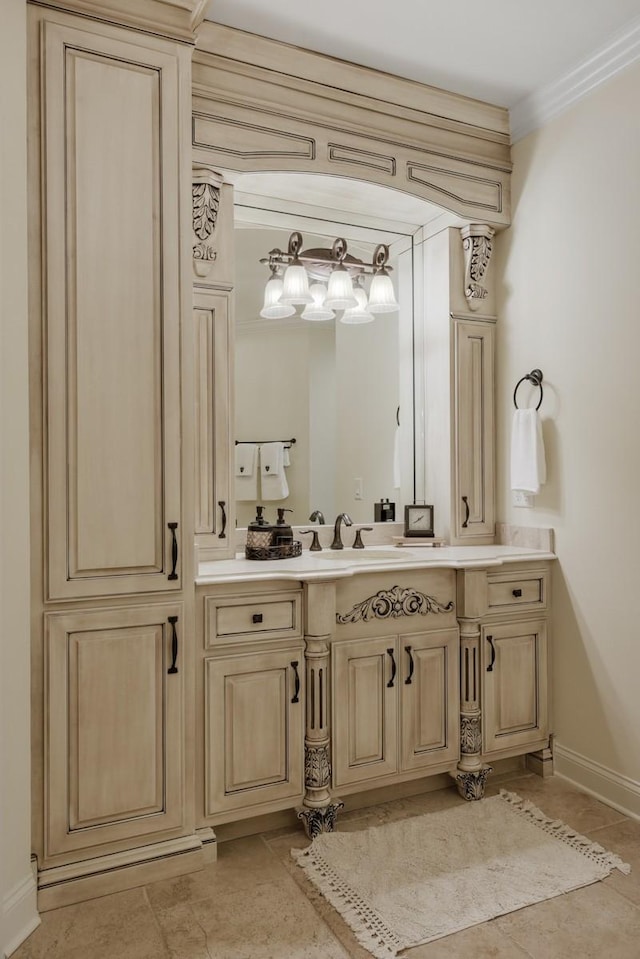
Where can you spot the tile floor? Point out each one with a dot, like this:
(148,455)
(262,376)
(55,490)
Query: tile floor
(255,903)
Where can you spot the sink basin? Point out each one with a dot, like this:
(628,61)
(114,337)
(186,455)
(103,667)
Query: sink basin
(370,555)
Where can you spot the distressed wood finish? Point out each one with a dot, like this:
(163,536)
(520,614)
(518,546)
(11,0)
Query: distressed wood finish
(113,456)
(114,718)
(474,432)
(515,688)
(325,116)
(177,19)
(254,732)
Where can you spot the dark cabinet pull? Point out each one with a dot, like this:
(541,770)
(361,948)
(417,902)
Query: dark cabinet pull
(516,592)
(465,500)
(407,681)
(256,618)
(493,654)
(294,666)
(174,551)
(174,644)
(222,504)
(393,668)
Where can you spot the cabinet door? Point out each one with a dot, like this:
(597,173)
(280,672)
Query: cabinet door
(364,693)
(514,710)
(473,473)
(111,209)
(254,730)
(113,758)
(215,509)
(429,691)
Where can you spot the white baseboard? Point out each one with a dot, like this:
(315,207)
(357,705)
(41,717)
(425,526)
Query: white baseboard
(599,781)
(19,915)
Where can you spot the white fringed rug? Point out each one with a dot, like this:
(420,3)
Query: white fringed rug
(413,881)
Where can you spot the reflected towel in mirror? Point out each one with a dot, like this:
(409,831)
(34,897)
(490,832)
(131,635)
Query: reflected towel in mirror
(272,477)
(247,471)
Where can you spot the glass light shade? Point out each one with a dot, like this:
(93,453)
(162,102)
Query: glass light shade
(296,285)
(382,298)
(317,310)
(340,291)
(359,313)
(273,308)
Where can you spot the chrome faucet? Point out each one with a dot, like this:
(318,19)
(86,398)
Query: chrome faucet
(340,518)
(317,515)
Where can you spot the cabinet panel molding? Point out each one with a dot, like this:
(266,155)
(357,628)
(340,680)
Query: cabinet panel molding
(429,698)
(112,297)
(114,753)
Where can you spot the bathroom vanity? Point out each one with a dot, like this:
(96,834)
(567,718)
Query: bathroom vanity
(176,687)
(387,665)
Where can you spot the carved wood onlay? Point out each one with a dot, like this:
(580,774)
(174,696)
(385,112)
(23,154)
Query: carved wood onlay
(470,734)
(394,602)
(205,199)
(477,246)
(317,766)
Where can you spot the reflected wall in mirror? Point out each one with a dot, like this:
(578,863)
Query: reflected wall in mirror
(334,387)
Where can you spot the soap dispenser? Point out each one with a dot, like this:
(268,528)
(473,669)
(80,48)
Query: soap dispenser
(259,532)
(282,532)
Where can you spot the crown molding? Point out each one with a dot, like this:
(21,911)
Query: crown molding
(533,111)
(175,19)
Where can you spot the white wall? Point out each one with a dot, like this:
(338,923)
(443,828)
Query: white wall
(17,887)
(570,304)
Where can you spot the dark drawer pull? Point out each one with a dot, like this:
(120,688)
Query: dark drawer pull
(393,668)
(174,550)
(294,666)
(256,618)
(493,654)
(408,680)
(465,500)
(174,644)
(516,592)
(222,504)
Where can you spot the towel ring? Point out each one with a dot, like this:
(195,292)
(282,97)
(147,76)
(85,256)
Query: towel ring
(534,377)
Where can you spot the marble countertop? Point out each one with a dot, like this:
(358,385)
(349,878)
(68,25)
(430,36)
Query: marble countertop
(335,564)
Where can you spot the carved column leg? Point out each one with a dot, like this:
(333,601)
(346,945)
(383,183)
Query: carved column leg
(319,810)
(471,774)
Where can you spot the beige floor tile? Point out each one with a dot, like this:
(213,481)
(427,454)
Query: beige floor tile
(559,800)
(624,839)
(242,864)
(481,942)
(121,925)
(275,922)
(592,923)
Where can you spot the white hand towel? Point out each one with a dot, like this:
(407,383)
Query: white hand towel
(247,471)
(273,481)
(528,464)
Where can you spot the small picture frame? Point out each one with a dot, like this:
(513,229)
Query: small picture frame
(418,521)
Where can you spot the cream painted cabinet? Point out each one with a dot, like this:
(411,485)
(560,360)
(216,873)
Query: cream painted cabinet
(514,685)
(111,215)
(214,499)
(473,474)
(114,703)
(254,732)
(395,705)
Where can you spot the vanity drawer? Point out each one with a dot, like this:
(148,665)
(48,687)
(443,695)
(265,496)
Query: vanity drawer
(273,616)
(526,590)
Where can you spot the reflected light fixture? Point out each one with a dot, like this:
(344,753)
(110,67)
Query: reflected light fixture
(344,291)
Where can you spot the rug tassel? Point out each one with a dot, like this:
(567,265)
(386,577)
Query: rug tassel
(555,827)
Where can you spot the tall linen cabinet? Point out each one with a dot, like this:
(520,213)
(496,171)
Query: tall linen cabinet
(112,424)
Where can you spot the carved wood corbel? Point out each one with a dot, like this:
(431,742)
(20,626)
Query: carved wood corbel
(205,199)
(477,245)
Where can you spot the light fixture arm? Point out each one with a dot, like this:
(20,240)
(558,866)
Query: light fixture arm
(337,255)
